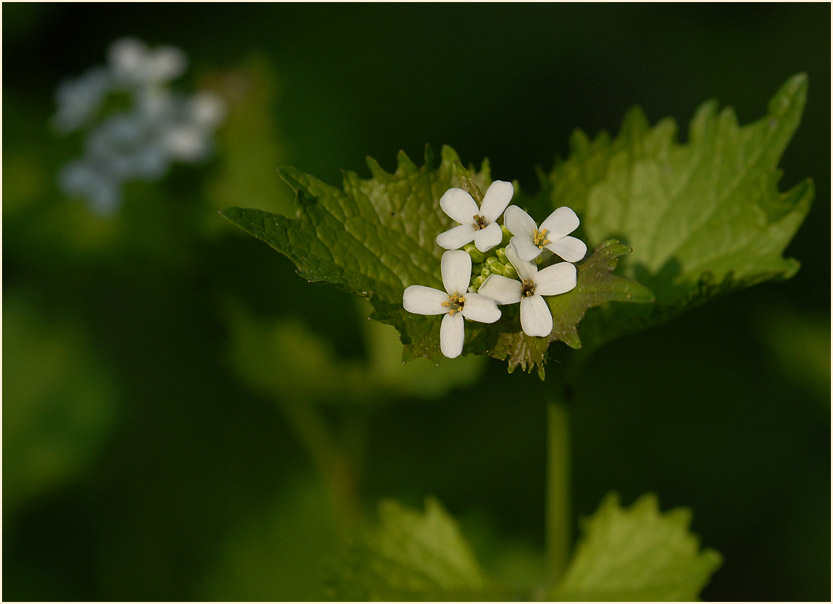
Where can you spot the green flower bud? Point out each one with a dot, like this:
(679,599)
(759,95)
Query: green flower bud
(478,281)
(501,255)
(510,272)
(507,235)
(495,265)
(485,273)
(476,254)
(539,259)
(475,270)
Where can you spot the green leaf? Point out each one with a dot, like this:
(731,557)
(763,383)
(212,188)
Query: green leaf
(703,218)
(637,554)
(411,555)
(374,238)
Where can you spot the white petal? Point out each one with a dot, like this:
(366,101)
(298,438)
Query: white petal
(526,270)
(207,109)
(536,319)
(422,300)
(452,335)
(561,222)
(456,271)
(459,206)
(496,199)
(569,248)
(524,248)
(556,279)
(501,289)
(519,222)
(480,308)
(486,239)
(454,239)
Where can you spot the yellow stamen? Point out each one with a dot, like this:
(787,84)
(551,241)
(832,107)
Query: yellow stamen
(539,238)
(455,304)
(479,222)
(527,288)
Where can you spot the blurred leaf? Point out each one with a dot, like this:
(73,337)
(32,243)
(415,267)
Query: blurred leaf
(800,347)
(58,403)
(283,357)
(275,554)
(703,218)
(250,140)
(412,556)
(637,554)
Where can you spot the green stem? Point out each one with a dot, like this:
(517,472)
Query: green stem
(334,466)
(558,490)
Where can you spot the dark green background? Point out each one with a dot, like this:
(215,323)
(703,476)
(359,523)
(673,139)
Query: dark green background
(187,483)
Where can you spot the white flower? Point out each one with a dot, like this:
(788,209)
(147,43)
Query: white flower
(79,99)
(536,318)
(455,303)
(529,241)
(158,128)
(83,179)
(133,63)
(478,224)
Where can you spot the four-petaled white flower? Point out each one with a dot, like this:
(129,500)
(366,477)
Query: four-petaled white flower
(455,302)
(478,224)
(529,241)
(536,318)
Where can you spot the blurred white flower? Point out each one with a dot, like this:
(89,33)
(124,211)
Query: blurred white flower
(133,63)
(140,142)
(79,99)
(83,179)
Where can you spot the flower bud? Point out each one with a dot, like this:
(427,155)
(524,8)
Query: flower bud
(510,272)
(478,281)
(494,265)
(539,259)
(476,254)
(507,235)
(485,273)
(501,255)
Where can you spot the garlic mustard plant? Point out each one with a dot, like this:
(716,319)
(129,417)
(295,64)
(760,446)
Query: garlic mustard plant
(455,303)
(530,241)
(476,224)
(536,318)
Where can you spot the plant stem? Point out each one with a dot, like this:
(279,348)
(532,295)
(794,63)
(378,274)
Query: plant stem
(336,470)
(558,490)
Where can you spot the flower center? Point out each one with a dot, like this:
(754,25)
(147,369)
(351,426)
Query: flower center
(527,288)
(539,238)
(455,304)
(479,222)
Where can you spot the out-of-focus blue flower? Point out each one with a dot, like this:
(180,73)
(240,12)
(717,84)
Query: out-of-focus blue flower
(158,127)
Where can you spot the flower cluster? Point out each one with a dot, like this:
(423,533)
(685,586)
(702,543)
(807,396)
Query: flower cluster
(483,275)
(136,125)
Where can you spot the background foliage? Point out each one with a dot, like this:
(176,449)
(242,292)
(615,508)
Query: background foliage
(154,422)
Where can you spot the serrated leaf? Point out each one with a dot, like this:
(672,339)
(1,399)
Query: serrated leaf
(412,555)
(374,238)
(637,554)
(703,218)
